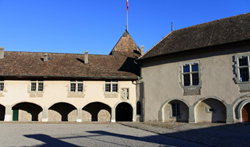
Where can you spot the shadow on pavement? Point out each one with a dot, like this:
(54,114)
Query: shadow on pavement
(50,141)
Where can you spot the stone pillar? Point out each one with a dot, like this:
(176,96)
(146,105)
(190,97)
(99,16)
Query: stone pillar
(113,114)
(79,115)
(230,115)
(8,113)
(134,114)
(191,114)
(45,117)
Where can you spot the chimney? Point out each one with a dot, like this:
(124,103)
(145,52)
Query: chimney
(1,52)
(86,58)
(45,57)
(142,49)
(172,26)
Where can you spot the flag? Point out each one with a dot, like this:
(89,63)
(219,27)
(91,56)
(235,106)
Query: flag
(127,5)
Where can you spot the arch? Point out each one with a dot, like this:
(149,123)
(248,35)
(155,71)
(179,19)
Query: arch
(124,112)
(161,112)
(96,111)
(242,104)
(210,109)
(62,111)
(2,112)
(237,104)
(26,111)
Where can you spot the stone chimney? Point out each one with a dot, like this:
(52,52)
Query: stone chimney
(1,52)
(142,49)
(86,58)
(45,57)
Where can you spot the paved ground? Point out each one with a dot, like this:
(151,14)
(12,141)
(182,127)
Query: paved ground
(74,135)
(219,135)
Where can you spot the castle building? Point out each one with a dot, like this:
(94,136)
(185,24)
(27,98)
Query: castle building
(70,87)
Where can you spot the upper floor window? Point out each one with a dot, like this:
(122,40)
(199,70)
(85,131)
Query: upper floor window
(190,74)
(244,69)
(111,86)
(36,86)
(1,85)
(76,86)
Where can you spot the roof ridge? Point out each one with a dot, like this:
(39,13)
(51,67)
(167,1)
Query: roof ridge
(55,53)
(205,23)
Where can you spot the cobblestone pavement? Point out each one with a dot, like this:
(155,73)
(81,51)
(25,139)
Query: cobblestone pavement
(79,134)
(229,135)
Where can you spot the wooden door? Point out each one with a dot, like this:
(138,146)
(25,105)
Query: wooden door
(246,113)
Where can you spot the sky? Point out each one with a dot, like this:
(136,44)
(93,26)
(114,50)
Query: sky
(74,26)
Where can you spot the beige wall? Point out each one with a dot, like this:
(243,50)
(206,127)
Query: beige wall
(59,91)
(161,78)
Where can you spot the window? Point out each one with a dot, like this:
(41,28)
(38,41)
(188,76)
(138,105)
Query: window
(1,86)
(36,86)
(190,74)
(76,86)
(175,109)
(111,86)
(244,69)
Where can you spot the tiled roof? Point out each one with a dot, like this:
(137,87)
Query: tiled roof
(118,65)
(67,65)
(126,44)
(227,30)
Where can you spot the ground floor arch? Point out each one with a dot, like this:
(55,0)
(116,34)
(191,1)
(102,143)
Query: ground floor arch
(62,112)
(210,110)
(26,111)
(2,112)
(124,112)
(176,111)
(245,112)
(96,111)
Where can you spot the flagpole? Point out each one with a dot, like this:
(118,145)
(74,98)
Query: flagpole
(127,16)
(127,20)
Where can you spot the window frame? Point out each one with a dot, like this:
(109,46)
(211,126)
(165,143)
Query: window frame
(2,89)
(76,83)
(177,112)
(244,86)
(37,87)
(112,83)
(190,73)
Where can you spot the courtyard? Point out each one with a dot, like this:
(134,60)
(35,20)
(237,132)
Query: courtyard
(37,134)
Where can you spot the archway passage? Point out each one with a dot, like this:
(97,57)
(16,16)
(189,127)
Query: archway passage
(176,111)
(246,113)
(124,112)
(62,112)
(26,112)
(97,112)
(211,110)
(2,112)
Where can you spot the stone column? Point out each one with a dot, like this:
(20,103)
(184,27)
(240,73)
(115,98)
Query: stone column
(230,115)
(134,114)
(191,114)
(45,117)
(113,114)
(8,113)
(79,115)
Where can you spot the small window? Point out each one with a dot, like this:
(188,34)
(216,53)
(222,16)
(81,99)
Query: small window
(190,74)
(33,86)
(1,86)
(40,86)
(111,86)
(76,86)
(175,109)
(36,86)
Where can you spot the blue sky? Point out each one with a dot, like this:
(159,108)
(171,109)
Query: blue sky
(73,26)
